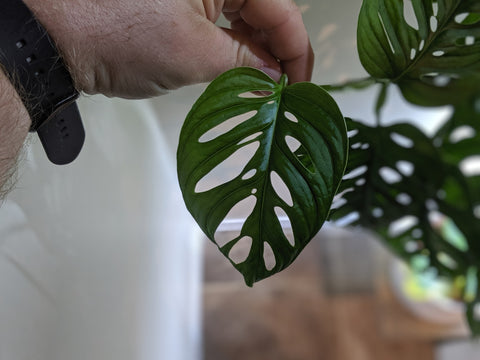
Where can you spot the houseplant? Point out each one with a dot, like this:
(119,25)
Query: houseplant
(396,177)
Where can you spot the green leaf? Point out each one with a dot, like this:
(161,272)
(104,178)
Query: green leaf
(434,185)
(431,51)
(297,140)
(395,178)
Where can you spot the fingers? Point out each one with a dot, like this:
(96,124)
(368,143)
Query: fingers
(218,50)
(284,33)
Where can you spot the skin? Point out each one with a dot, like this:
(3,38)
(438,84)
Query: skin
(144,48)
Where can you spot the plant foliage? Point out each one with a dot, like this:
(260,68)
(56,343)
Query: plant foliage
(299,142)
(430,48)
(420,193)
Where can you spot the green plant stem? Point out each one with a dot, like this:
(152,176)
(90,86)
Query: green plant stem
(355,84)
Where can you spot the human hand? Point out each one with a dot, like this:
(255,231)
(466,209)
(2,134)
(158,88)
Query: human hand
(147,47)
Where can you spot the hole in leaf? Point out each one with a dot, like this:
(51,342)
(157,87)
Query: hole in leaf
(292,143)
(447,260)
(389,175)
(409,14)
(401,140)
(417,234)
(438,53)
(250,174)
(476,211)
(281,188)
(356,172)
(386,33)
(470,166)
(412,246)
(403,199)
(470,40)
(421,45)
(442,80)
(240,251)
(413,53)
(406,168)
(360,182)
(431,205)
(356,146)
(377,212)
(254,191)
(348,219)
(436,218)
(228,169)
(433,23)
(471,19)
(435,8)
(461,17)
(250,138)
(352,133)
(226,126)
(346,191)
(285,224)
(462,133)
(338,202)
(402,225)
(233,222)
(291,117)
(255,94)
(268,256)
(365,146)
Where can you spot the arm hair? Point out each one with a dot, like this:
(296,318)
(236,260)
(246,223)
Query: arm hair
(14,125)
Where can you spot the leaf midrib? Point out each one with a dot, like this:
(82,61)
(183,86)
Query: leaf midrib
(283,85)
(428,43)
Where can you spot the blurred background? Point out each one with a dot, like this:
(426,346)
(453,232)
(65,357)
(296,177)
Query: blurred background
(101,260)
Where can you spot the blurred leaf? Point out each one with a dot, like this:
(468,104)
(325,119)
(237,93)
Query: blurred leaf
(473,322)
(395,183)
(429,48)
(297,136)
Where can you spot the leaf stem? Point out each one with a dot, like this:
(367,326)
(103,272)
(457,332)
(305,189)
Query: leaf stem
(283,81)
(355,84)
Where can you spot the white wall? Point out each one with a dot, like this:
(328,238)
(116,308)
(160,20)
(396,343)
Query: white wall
(99,259)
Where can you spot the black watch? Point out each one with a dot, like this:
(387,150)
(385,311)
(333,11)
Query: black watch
(31,61)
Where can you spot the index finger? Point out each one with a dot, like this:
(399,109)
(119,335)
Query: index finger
(286,37)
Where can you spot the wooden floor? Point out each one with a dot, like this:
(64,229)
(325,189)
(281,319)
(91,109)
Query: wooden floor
(298,314)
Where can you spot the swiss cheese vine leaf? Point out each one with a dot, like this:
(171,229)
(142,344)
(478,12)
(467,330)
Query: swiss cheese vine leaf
(297,143)
(389,188)
(420,194)
(430,48)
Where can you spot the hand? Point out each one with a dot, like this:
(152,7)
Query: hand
(143,48)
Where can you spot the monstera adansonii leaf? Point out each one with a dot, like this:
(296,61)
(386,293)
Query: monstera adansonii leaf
(298,142)
(460,144)
(396,182)
(429,48)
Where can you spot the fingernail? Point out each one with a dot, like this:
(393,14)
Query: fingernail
(274,74)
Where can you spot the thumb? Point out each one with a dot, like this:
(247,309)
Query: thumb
(228,49)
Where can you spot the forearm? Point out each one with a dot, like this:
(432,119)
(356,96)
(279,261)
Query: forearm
(14,125)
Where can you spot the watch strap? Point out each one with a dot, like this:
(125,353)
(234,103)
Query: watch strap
(63,135)
(32,63)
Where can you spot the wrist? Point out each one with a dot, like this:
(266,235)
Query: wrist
(63,21)
(14,126)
